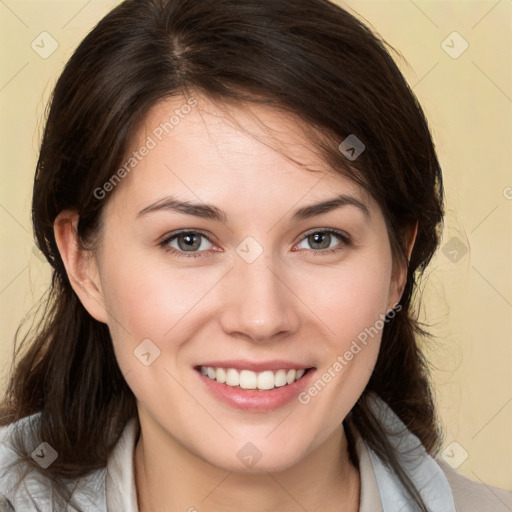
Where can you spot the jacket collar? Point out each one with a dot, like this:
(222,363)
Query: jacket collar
(378,482)
(420,467)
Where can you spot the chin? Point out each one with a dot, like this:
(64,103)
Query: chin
(255,457)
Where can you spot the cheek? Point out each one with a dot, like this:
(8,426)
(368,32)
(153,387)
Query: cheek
(353,307)
(353,300)
(149,298)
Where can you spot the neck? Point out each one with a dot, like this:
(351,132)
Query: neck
(169,478)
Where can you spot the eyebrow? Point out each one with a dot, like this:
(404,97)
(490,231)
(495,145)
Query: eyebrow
(211,212)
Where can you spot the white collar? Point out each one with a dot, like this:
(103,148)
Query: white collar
(419,466)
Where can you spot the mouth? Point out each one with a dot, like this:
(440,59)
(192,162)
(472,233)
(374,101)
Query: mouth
(254,387)
(265,380)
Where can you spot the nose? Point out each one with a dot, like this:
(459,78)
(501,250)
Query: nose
(259,304)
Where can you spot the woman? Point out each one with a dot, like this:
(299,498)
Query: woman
(237,199)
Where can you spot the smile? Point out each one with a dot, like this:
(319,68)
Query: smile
(254,386)
(247,379)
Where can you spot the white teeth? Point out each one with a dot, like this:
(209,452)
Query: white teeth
(232,377)
(248,379)
(266,380)
(290,376)
(221,375)
(280,378)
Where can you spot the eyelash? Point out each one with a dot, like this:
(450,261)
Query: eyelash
(344,238)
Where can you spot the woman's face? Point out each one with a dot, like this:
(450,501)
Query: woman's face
(261,282)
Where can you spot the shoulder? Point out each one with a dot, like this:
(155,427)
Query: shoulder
(440,485)
(472,496)
(15,474)
(10,458)
(26,486)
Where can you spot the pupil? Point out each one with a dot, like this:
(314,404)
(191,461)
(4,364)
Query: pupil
(189,241)
(322,239)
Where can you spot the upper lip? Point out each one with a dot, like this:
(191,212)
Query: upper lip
(256,366)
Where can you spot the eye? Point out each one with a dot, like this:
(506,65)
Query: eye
(192,242)
(325,241)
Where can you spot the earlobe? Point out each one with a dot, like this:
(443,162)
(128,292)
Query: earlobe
(81,267)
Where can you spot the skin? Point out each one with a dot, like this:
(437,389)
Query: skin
(293,303)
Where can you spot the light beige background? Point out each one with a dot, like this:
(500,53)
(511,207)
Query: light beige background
(468,101)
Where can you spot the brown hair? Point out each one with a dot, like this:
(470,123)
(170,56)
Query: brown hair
(307,57)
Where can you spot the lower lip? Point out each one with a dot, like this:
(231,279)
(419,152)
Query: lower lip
(254,400)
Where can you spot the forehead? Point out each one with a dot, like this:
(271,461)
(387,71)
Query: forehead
(223,152)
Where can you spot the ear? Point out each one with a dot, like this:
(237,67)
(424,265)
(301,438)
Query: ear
(400,268)
(81,266)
